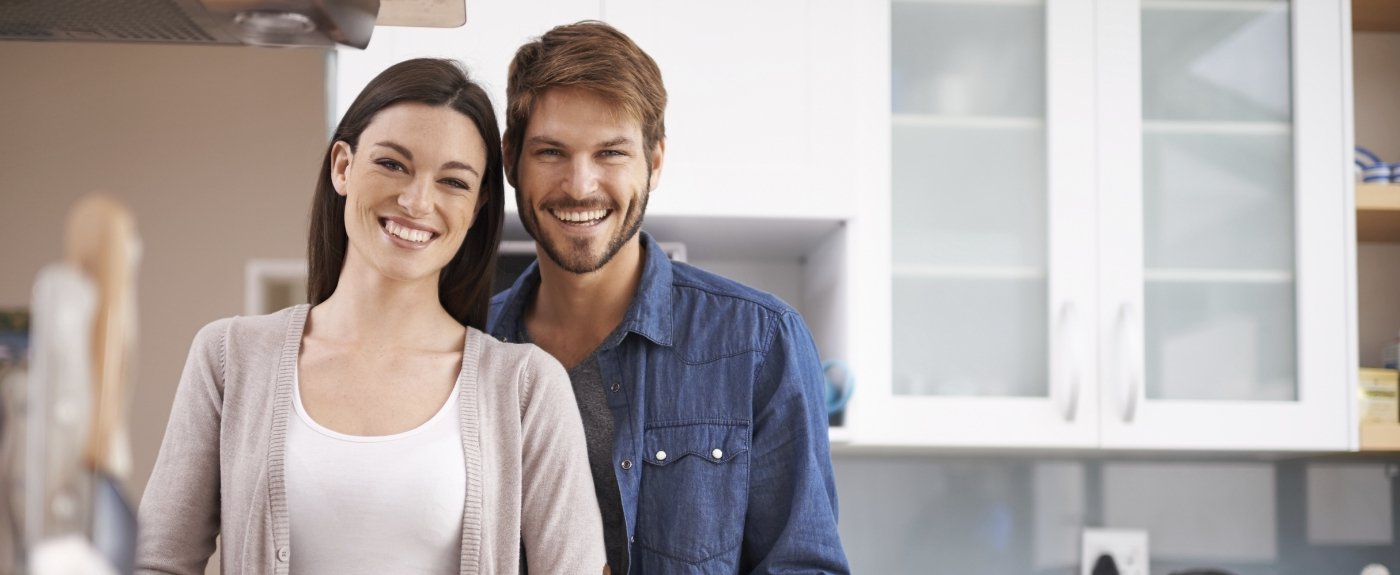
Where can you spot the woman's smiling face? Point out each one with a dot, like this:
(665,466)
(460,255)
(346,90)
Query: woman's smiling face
(412,188)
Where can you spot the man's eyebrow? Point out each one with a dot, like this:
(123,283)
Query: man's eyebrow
(546,141)
(543,141)
(619,141)
(451,165)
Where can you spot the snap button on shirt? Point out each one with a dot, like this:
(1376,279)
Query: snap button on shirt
(661,456)
(616,388)
(627,464)
(717,454)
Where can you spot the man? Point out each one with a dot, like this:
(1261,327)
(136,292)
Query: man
(702,399)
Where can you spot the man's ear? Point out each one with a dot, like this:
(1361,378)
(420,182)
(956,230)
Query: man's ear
(508,162)
(656,161)
(341,154)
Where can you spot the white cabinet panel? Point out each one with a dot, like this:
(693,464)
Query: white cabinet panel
(761,118)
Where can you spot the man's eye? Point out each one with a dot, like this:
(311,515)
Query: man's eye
(550,152)
(391,165)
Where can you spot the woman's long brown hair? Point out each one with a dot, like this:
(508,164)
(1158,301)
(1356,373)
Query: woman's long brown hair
(464,286)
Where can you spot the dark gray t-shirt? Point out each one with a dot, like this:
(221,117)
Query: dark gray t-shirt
(598,429)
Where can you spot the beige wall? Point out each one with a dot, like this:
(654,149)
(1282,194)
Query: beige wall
(215,149)
(1376,77)
(1376,65)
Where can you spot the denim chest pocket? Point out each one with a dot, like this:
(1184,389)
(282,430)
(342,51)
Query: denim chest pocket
(695,489)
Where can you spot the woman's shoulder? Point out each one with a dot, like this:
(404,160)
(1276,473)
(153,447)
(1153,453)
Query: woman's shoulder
(525,363)
(257,334)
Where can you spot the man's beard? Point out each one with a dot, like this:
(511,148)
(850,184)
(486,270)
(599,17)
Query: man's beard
(574,254)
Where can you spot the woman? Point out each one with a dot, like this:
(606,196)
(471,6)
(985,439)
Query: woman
(379,431)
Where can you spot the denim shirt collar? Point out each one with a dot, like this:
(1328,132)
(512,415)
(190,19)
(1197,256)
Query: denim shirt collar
(649,314)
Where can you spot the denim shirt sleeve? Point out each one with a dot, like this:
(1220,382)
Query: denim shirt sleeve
(790,525)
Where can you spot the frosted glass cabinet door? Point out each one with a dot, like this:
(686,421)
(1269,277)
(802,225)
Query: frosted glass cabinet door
(1201,309)
(991,300)
(969,216)
(1218,200)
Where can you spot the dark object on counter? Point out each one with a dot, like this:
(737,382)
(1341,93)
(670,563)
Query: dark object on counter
(1105,566)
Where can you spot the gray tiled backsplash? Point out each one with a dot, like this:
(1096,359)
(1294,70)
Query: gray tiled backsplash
(973,515)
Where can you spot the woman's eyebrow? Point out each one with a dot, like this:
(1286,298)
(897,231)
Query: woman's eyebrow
(454,164)
(451,165)
(396,147)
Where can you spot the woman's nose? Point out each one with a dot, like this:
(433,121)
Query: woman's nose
(417,199)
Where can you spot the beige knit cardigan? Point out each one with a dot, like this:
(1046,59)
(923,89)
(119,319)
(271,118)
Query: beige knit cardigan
(220,468)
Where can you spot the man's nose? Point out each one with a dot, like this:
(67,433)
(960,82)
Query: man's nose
(583,177)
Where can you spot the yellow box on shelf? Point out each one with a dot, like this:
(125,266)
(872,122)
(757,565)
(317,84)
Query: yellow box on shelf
(1378,409)
(1378,212)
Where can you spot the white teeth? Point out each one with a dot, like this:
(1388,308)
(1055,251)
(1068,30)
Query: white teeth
(407,233)
(577,217)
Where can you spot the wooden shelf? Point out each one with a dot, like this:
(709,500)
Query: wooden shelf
(1375,16)
(1380,438)
(1378,212)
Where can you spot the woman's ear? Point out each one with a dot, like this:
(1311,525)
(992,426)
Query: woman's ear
(481,200)
(341,154)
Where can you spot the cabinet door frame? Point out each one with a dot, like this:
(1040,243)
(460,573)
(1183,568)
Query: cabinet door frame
(1322,418)
(1068,416)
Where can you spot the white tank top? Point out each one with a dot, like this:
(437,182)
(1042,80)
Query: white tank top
(374,505)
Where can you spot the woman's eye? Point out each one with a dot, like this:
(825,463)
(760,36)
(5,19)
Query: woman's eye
(391,165)
(459,184)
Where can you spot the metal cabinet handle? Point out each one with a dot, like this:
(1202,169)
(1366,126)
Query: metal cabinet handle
(1130,361)
(1067,377)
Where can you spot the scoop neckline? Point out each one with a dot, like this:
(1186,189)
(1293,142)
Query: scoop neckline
(306,418)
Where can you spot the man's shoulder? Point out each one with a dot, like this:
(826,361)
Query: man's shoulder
(693,286)
(494,307)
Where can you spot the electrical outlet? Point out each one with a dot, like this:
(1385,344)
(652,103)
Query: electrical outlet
(1127,547)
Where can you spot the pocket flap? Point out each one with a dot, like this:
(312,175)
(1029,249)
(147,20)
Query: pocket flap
(714,442)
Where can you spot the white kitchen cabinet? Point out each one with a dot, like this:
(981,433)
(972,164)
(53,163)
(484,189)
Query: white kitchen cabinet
(1227,261)
(1116,224)
(761,118)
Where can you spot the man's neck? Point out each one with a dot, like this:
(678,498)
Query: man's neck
(571,314)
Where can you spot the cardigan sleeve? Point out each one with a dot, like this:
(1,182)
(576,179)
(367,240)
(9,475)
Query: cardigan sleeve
(179,513)
(561,526)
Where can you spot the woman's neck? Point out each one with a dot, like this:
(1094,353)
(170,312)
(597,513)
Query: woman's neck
(369,309)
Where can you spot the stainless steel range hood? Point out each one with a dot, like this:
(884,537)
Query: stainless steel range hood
(229,22)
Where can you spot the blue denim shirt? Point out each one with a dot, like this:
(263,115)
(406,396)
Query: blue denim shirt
(720,434)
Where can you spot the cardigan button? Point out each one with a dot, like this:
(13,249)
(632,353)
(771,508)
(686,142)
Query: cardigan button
(283,554)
